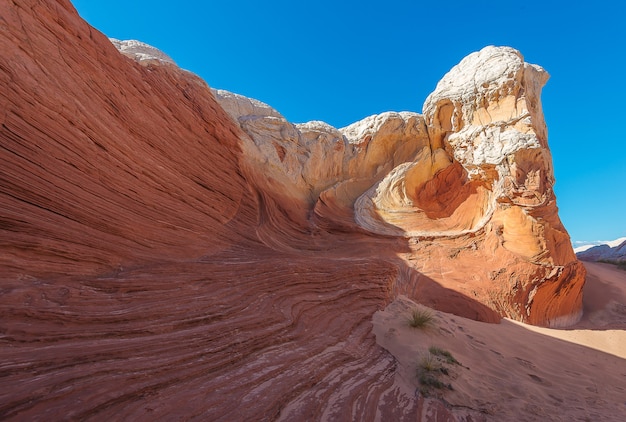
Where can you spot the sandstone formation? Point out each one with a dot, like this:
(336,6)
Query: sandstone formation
(168,251)
(469,185)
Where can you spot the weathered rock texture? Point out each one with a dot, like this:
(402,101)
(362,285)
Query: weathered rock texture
(489,142)
(469,185)
(171,253)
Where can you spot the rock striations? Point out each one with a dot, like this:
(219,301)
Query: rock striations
(468,185)
(172,252)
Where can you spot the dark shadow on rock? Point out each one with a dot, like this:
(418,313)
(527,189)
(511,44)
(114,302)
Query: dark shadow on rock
(427,291)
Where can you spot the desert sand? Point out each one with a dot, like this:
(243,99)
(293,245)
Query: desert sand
(516,372)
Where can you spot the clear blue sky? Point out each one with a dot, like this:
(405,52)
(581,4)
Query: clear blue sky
(340,61)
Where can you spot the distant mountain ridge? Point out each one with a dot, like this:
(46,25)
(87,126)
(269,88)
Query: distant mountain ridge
(614,250)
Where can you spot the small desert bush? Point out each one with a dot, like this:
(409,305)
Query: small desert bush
(619,263)
(428,363)
(429,381)
(421,318)
(444,354)
(432,367)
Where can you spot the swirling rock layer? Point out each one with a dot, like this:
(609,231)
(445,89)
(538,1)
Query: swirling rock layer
(167,252)
(468,185)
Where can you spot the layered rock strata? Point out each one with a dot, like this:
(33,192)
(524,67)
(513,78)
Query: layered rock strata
(468,184)
(169,252)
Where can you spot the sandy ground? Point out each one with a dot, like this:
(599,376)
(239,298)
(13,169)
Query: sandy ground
(515,372)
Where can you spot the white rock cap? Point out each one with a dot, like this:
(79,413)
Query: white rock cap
(141,52)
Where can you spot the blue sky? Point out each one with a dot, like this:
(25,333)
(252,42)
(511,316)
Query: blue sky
(340,61)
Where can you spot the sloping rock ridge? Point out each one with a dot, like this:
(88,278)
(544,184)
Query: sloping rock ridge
(614,251)
(168,251)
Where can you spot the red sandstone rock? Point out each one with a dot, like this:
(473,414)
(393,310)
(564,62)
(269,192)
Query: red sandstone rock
(135,284)
(105,163)
(151,269)
(468,186)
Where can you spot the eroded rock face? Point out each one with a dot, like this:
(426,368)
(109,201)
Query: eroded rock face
(485,181)
(469,185)
(169,251)
(486,112)
(308,159)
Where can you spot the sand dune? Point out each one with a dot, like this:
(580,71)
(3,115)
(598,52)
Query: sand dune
(516,372)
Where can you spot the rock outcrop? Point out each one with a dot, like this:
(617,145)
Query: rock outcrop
(169,251)
(490,188)
(302,161)
(469,184)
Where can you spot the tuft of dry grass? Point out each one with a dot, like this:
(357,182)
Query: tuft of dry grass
(444,354)
(421,318)
(432,367)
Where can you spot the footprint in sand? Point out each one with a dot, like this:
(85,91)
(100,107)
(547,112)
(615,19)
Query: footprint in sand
(540,380)
(474,341)
(526,363)
(595,401)
(557,399)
